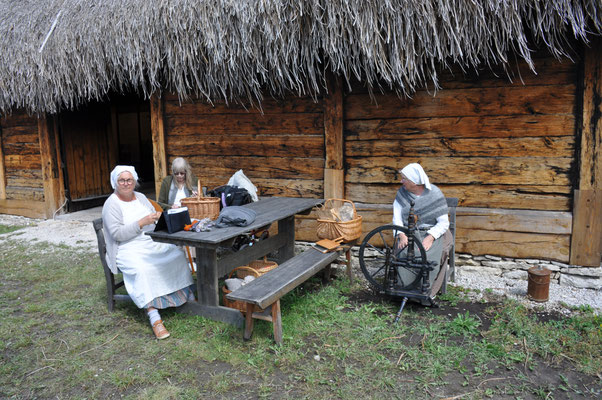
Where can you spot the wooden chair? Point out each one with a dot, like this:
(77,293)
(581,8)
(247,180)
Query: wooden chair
(109,277)
(448,264)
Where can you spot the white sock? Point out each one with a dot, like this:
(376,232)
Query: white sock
(154,316)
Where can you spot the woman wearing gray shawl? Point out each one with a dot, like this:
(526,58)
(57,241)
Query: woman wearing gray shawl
(431,208)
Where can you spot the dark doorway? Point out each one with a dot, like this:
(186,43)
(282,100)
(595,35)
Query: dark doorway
(98,136)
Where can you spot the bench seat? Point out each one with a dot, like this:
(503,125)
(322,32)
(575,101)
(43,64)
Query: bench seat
(267,290)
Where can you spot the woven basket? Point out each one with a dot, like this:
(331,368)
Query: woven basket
(333,229)
(201,207)
(241,306)
(261,266)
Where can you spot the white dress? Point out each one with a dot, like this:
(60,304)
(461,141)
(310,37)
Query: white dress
(150,269)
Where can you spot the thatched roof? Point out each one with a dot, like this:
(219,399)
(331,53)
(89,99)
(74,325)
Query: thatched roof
(58,53)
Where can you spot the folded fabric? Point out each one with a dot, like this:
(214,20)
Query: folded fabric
(235,216)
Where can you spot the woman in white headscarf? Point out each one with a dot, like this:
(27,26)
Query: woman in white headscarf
(429,205)
(156,275)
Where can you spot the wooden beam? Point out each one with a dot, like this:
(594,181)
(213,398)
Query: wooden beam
(158,136)
(586,243)
(30,209)
(50,166)
(334,174)
(2,169)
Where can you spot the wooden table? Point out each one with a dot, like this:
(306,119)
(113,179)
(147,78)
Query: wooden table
(210,267)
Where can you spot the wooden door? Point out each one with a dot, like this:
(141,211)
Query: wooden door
(89,151)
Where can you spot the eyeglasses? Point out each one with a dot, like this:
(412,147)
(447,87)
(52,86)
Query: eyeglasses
(179,173)
(125,181)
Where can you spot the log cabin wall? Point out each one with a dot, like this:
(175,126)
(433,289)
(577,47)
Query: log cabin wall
(21,176)
(505,149)
(280,148)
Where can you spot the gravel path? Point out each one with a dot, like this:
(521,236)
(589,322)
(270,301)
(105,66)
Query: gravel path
(76,230)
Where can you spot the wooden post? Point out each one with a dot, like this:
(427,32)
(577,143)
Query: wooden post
(334,173)
(586,241)
(2,168)
(50,160)
(158,135)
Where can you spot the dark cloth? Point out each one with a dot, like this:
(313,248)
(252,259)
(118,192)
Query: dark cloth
(235,216)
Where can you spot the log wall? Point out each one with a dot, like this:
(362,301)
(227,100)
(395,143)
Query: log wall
(21,176)
(280,148)
(505,149)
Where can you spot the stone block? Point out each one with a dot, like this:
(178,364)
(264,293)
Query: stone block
(467,261)
(551,267)
(515,274)
(501,264)
(480,270)
(493,258)
(581,282)
(583,271)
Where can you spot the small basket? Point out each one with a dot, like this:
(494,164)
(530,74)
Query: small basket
(332,229)
(240,272)
(261,266)
(202,207)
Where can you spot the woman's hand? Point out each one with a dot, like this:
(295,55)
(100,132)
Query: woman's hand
(402,240)
(151,218)
(427,242)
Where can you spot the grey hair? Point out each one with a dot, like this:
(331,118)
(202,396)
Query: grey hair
(179,164)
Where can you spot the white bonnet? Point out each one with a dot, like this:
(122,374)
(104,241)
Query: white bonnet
(416,174)
(118,170)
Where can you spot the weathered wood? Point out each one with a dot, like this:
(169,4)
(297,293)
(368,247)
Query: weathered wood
(274,284)
(559,99)
(534,197)
(528,221)
(24,178)
(245,124)
(23,161)
(244,145)
(333,124)
(207,286)
(563,146)
(286,228)
(269,105)
(50,160)
(590,161)
(513,244)
(25,193)
(264,167)
(334,183)
(481,170)
(30,209)
(587,228)
(2,167)
(158,137)
(486,126)
(22,149)
(289,187)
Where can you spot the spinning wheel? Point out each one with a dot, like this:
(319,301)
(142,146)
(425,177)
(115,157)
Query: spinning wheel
(391,270)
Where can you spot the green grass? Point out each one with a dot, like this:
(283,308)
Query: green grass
(57,340)
(9,228)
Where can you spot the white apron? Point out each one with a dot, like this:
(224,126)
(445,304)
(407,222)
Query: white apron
(150,269)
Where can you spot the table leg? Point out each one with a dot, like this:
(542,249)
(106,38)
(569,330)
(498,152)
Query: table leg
(207,287)
(286,227)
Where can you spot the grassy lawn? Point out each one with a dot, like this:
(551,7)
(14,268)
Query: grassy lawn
(57,340)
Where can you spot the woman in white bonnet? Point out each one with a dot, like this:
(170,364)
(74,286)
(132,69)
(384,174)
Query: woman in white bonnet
(429,205)
(156,275)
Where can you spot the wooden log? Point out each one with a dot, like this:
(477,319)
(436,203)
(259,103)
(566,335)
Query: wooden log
(563,146)
(459,170)
(559,99)
(244,145)
(289,187)
(245,124)
(22,149)
(586,241)
(25,193)
(334,183)
(498,126)
(24,177)
(333,124)
(50,160)
(255,167)
(158,137)
(534,197)
(23,161)
(290,105)
(30,209)
(2,167)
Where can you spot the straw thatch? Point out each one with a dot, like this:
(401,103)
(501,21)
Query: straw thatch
(58,53)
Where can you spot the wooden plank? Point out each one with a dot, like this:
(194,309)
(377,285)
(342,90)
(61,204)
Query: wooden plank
(563,146)
(244,145)
(586,242)
(559,99)
(2,167)
(22,148)
(265,167)
(245,124)
(590,161)
(512,244)
(24,178)
(460,170)
(333,124)
(269,105)
(530,221)
(19,117)
(334,183)
(533,197)
(30,209)
(487,126)
(158,137)
(23,161)
(50,166)
(289,187)
(25,193)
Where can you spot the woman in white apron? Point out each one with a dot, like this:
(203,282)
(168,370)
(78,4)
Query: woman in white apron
(156,275)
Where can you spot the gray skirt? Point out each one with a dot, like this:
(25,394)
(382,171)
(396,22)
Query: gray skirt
(432,255)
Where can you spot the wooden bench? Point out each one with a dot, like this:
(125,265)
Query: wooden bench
(109,277)
(267,290)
